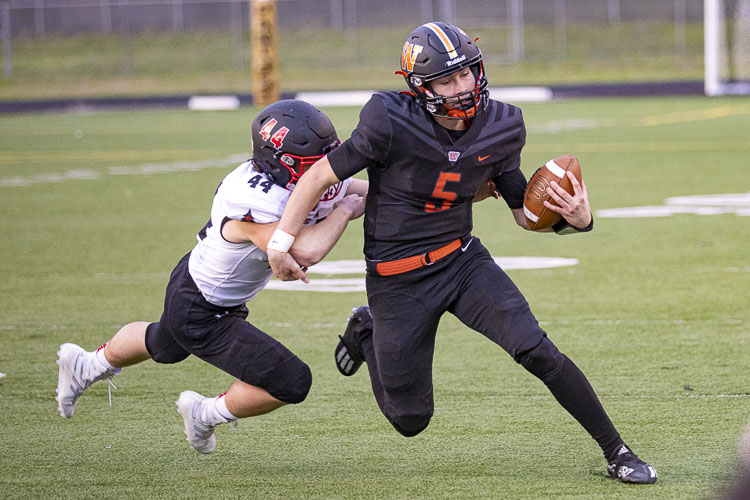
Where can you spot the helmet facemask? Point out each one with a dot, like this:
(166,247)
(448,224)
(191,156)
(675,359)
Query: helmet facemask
(298,165)
(435,50)
(459,106)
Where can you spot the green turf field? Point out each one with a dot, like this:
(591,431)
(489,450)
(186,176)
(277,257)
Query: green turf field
(97,208)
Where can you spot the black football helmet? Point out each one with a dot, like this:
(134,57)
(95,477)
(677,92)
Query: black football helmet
(288,137)
(435,50)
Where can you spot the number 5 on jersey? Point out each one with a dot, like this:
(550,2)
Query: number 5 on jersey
(441,193)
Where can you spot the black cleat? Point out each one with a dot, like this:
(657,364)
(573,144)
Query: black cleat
(628,468)
(349,355)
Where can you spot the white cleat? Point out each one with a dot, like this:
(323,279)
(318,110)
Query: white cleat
(198,433)
(78,370)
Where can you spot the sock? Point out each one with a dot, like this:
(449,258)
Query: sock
(574,392)
(103,363)
(217,411)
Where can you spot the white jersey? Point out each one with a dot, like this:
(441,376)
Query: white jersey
(230,274)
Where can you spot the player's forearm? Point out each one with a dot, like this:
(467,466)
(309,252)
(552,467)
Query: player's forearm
(358,186)
(305,196)
(520,218)
(314,242)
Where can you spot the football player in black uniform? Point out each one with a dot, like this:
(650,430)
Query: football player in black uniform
(427,152)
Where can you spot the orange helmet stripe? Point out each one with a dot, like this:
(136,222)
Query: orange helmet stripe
(443,38)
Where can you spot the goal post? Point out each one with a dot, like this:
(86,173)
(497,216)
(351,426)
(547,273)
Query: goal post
(712,37)
(726,47)
(265,65)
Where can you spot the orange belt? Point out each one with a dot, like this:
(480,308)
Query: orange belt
(410,263)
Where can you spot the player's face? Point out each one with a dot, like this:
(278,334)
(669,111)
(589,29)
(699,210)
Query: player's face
(456,83)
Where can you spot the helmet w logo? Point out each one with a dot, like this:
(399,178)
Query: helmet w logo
(409,56)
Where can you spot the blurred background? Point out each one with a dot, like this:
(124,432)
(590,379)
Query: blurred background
(85,48)
(77,48)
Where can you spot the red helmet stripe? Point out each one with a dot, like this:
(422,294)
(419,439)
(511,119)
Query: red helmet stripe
(443,38)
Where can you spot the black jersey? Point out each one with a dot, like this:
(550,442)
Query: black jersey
(422,182)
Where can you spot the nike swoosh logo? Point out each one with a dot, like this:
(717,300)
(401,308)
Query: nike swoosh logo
(463,248)
(482,158)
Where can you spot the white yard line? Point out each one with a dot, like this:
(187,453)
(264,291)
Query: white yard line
(143,169)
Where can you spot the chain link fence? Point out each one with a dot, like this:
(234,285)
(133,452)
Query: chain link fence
(346,36)
(41,18)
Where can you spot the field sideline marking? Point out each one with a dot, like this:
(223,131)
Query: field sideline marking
(98,155)
(638,146)
(715,204)
(144,169)
(694,115)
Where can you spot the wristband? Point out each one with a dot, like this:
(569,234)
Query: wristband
(280,241)
(563,227)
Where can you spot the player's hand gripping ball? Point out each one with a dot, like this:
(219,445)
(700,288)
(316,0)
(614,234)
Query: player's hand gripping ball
(537,215)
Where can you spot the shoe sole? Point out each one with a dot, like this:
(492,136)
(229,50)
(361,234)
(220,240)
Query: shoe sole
(345,362)
(346,365)
(638,479)
(632,480)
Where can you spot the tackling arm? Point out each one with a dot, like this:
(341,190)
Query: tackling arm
(314,241)
(486,190)
(358,186)
(306,194)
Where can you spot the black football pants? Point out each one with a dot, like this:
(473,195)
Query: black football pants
(406,310)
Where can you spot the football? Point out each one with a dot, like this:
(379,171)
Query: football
(537,215)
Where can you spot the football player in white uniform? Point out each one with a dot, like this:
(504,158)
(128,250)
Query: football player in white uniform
(204,309)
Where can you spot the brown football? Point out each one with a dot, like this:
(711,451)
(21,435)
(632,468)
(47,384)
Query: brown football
(537,215)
